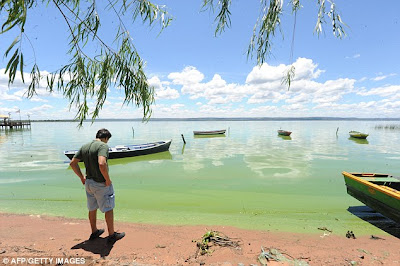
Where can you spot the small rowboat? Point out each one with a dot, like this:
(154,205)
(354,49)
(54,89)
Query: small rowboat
(380,192)
(284,132)
(212,132)
(358,135)
(123,151)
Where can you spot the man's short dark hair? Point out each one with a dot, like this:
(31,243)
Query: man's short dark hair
(103,134)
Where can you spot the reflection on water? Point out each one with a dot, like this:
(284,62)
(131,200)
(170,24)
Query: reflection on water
(6,133)
(166,155)
(3,138)
(250,176)
(359,141)
(285,137)
(209,136)
(183,148)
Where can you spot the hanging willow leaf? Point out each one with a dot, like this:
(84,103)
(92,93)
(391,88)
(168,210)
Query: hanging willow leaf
(264,30)
(16,40)
(337,24)
(288,76)
(223,17)
(89,75)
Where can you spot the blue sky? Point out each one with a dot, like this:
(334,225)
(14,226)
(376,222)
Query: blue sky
(196,74)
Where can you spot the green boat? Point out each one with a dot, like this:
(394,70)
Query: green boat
(380,192)
(358,135)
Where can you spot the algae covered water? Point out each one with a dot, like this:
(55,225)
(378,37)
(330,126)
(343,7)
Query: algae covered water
(250,177)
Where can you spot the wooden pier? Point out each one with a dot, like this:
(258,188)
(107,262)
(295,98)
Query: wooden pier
(18,124)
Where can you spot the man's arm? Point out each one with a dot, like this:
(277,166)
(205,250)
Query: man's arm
(75,166)
(104,169)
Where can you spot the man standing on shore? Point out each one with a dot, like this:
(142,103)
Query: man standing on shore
(98,185)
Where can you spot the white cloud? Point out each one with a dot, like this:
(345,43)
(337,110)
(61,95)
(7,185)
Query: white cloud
(265,96)
(385,91)
(299,98)
(37,99)
(263,86)
(353,56)
(161,91)
(216,91)
(265,74)
(4,96)
(304,69)
(157,83)
(263,110)
(260,94)
(41,108)
(382,77)
(295,107)
(189,75)
(266,85)
(18,89)
(167,93)
(333,90)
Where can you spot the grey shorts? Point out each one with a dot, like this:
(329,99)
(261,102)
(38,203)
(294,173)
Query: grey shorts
(99,196)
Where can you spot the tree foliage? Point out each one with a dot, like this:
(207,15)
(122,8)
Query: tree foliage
(88,76)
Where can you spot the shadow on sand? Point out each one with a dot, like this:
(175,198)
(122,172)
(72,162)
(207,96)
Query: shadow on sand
(98,246)
(376,219)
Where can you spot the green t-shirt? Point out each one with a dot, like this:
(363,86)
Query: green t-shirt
(89,153)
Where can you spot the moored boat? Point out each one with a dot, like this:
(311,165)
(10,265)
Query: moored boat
(358,135)
(210,132)
(122,151)
(284,132)
(380,192)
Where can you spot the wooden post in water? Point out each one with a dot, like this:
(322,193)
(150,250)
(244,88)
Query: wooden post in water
(133,133)
(337,131)
(183,138)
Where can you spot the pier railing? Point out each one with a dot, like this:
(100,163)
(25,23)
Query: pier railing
(14,124)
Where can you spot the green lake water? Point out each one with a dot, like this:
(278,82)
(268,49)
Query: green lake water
(250,178)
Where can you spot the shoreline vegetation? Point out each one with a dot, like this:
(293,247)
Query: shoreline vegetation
(388,127)
(230,119)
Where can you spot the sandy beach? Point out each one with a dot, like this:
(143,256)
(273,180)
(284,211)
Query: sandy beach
(34,236)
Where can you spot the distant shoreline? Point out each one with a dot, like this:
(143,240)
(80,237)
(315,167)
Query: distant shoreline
(228,119)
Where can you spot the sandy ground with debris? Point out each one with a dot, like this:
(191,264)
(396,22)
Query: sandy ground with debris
(31,236)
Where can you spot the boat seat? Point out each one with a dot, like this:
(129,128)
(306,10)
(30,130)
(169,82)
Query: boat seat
(121,148)
(381,179)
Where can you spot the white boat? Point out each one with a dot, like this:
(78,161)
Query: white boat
(122,151)
(211,132)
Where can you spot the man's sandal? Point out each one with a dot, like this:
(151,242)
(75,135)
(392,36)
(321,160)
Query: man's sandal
(96,234)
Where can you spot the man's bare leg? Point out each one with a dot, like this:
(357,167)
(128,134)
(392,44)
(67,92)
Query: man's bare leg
(93,220)
(110,221)
(113,236)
